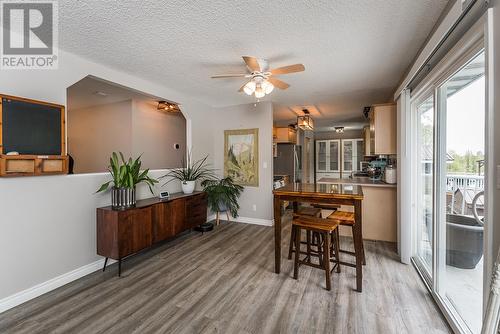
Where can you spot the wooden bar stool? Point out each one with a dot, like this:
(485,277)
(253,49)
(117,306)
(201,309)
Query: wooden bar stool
(347,219)
(309,212)
(325,228)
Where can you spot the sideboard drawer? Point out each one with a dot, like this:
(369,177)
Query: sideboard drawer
(134,231)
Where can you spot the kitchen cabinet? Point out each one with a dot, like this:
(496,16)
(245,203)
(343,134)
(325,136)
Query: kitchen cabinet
(337,158)
(285,135)
(383,129)
(352,155)
(366,139)
(328,156)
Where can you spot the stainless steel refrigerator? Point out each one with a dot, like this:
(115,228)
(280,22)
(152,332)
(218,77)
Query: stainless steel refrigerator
(289,161)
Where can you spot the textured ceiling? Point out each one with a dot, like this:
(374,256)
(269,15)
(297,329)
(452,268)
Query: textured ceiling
(92,92)
(355,52)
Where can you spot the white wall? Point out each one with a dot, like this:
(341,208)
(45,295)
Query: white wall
(95,132)
(154,135)
(249,116)
(48,223)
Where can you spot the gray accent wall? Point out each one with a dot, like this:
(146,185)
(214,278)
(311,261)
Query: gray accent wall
(248,116)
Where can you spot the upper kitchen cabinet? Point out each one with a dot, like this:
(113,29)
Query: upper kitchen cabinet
(285,135)
(382,134)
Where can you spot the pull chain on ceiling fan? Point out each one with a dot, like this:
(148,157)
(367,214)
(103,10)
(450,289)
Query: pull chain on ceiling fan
(261,78)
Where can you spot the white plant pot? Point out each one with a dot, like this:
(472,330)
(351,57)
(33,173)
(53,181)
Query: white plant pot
(188,186)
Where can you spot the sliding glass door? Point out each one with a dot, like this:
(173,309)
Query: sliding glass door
(424,185)
(449,146)
(461,188)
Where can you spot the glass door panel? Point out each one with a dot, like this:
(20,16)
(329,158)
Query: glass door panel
(460,194)
(321,156)
(334,155)
(360,149)
(424,183)
(347,149)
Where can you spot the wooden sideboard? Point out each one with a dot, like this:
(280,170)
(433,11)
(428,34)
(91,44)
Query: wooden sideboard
(121,233)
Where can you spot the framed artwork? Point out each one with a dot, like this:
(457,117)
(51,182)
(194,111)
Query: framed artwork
(241,156)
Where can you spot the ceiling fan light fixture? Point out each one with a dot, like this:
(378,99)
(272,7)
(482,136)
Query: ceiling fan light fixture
(268,87)
(259,92)
(249,88)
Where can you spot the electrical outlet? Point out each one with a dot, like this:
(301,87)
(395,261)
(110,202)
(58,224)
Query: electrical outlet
(254,207)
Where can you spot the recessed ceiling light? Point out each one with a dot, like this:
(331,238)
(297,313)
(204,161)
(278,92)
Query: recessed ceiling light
(99,93)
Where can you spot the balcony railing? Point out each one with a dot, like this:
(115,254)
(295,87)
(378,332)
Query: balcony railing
(468,184)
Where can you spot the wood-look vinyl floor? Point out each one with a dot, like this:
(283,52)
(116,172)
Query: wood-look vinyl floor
(223,282)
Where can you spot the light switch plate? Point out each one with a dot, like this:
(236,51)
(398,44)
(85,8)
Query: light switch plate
(264,165)
(498,177)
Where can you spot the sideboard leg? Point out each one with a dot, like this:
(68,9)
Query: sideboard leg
(119,267)
(105,263)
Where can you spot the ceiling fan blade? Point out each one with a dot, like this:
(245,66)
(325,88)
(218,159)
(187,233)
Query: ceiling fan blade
(229,76)
(241,88)
(288,69)
(278,83)
(252,63)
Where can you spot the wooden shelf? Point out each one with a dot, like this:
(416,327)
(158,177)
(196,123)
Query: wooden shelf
(33,165)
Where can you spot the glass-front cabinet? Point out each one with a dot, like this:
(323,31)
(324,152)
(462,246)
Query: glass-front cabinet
(328,158)
(352,155)
(336,158)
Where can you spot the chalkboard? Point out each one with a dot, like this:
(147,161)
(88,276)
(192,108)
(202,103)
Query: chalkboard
(30,128)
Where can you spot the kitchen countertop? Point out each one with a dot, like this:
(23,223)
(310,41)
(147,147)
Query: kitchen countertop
(363,181)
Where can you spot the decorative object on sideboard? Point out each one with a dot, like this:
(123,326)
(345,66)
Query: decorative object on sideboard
(199,170)
(305,122)
(126,175)
(223,196)
(241,156)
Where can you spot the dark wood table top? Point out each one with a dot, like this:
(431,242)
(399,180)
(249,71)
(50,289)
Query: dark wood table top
(344,191)
(143,203)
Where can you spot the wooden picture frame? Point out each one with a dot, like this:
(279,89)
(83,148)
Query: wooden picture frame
(241,156)
(33,164)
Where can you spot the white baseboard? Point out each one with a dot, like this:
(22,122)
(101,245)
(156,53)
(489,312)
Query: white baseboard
(52,284)
(245,220)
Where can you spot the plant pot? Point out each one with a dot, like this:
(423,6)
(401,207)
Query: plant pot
(188,186)
(122,198)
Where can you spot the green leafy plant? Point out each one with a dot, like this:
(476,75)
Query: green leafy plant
(127,173)
(223,195)
(199,170)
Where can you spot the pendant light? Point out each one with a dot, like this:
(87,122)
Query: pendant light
(305,122)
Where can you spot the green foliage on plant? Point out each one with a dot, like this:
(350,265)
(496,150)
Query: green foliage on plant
(199,170)
(468,163)
(127,173)
(223,194)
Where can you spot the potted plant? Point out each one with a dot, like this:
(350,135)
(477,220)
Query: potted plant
(199,170)
(223,196)
(126,175)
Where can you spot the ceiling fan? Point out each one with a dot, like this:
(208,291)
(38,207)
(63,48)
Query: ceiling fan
(262,80)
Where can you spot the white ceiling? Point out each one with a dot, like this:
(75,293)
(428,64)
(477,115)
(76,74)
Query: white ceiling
(92,92)
(355,52)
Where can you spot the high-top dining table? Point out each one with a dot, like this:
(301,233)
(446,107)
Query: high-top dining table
(340,194)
